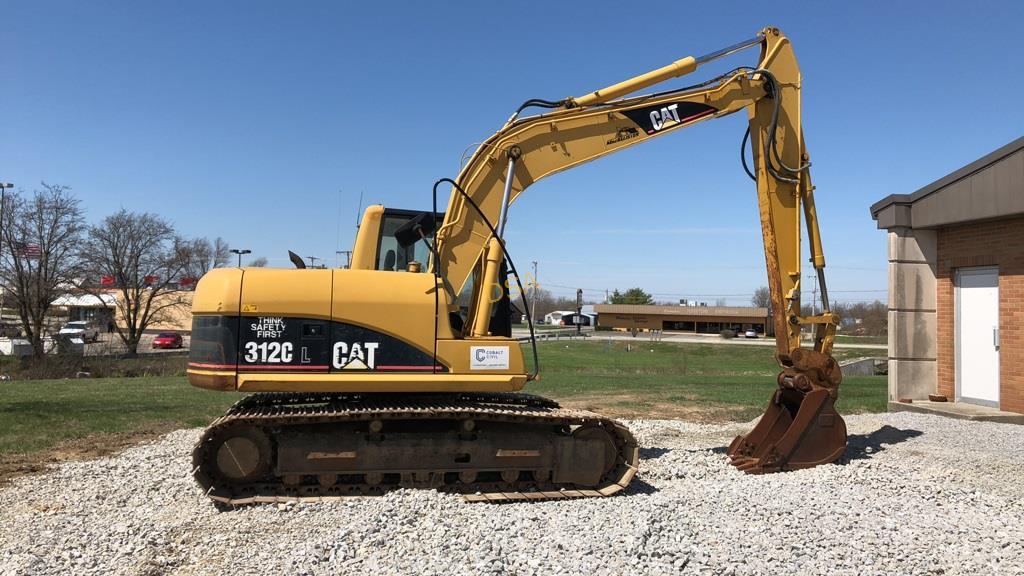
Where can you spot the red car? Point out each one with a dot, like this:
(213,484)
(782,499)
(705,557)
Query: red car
(167,340)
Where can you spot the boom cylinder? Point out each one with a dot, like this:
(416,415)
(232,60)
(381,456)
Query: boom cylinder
(680,67)
(482,321)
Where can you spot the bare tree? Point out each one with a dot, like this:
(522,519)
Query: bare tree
(260,262)
(863,318)
(142,259)
(205,256)
(762,298)
(39,258)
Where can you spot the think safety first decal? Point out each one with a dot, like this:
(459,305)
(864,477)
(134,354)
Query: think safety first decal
(315,345)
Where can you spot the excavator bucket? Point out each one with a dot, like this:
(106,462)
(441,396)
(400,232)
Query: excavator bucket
(798,430)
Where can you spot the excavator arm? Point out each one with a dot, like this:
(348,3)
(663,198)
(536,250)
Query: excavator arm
(800,427)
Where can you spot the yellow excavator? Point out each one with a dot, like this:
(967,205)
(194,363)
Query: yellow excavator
(401,371)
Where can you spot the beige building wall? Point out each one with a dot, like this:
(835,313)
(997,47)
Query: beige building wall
(178,318)
(912,318)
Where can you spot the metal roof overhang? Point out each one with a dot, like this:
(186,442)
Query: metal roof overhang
(991,187)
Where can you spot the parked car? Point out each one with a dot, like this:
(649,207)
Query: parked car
(168,340)
(81,329)
(750,334)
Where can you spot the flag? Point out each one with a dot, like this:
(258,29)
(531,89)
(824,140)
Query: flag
(150,280)
(106,280)
(30,251)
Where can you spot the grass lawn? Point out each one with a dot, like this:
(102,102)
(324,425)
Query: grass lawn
(37,415)
(46,420)
(696,381)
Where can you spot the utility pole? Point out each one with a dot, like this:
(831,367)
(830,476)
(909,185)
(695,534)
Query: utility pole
(312,261)
(814,302)
(348,257)
(533,303)
(814,295)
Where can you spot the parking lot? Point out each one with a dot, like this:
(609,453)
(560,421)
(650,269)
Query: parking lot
(111,344)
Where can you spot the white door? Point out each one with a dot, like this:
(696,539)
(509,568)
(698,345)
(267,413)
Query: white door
(977,335)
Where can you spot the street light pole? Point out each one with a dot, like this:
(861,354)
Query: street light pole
(533,300)
(3,208)
(240,252)
(3,204)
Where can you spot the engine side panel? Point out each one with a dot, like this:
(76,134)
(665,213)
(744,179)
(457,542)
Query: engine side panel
(337,331)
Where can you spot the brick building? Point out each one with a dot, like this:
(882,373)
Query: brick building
(956,284)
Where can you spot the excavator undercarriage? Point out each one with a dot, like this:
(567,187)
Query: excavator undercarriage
(490,447)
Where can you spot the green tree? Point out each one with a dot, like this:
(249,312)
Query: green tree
(632,296)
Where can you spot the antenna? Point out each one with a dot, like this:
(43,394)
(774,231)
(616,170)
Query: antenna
(359,210)
(337,227)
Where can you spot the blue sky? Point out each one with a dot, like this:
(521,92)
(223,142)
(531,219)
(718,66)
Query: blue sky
(245,120)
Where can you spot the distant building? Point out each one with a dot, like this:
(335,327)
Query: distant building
(583,319)
(101,308)
(696,319)
(88,307)
(556,316)
(956,284)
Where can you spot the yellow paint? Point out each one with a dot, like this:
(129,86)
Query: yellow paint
(364,253)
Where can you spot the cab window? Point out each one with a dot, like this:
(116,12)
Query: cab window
(391,256)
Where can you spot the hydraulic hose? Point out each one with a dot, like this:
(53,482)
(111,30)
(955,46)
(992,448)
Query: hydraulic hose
(508,258)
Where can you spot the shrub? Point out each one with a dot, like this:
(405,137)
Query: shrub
(55,366)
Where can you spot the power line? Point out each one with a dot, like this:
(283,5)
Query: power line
(739,295)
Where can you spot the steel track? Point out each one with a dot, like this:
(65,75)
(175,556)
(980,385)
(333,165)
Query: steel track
(280,410)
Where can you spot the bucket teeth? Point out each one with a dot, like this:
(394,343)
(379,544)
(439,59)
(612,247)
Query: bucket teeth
(752,465)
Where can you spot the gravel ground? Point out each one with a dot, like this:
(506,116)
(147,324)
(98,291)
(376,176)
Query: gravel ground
(916,495)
